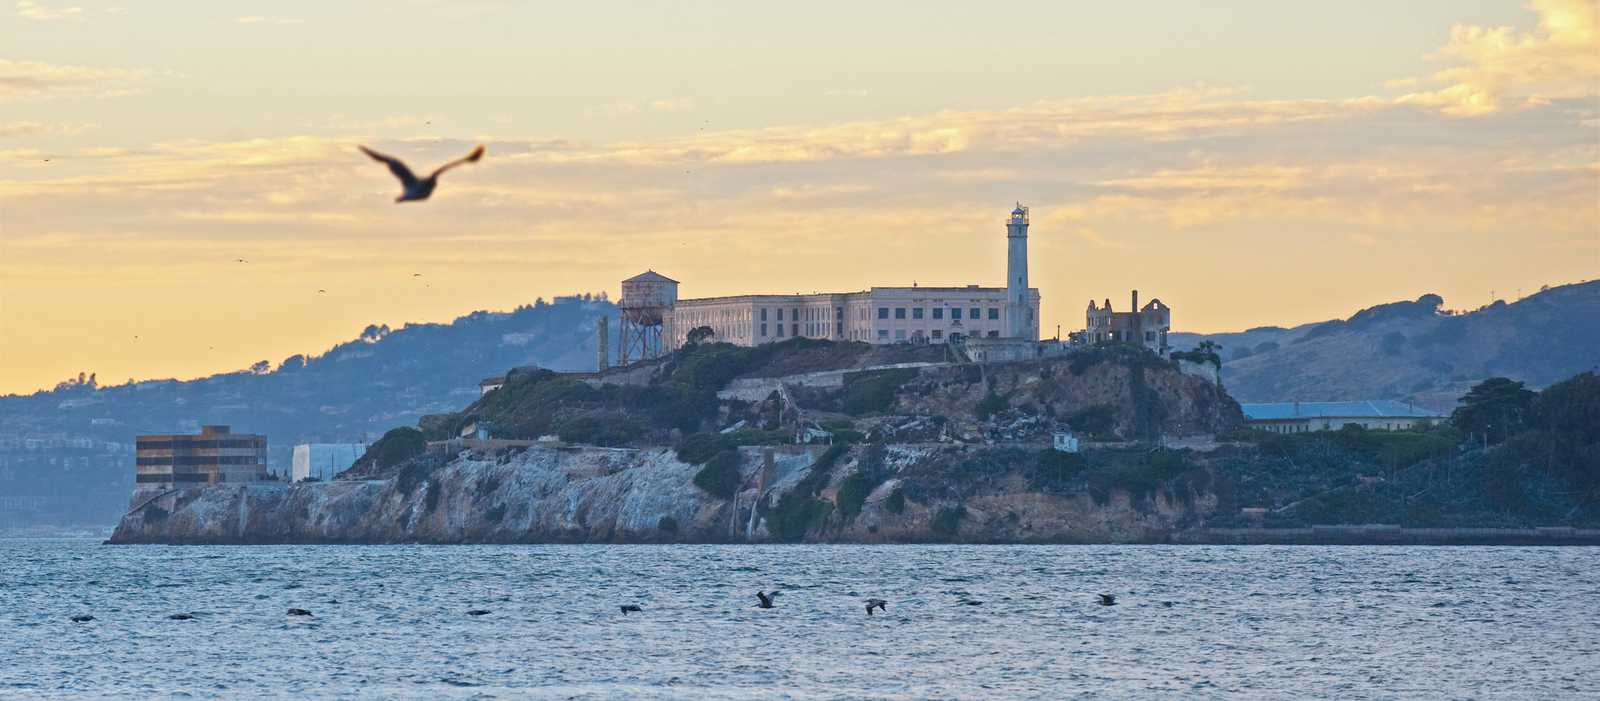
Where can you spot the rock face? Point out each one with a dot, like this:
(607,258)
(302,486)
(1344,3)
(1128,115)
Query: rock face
(599,495)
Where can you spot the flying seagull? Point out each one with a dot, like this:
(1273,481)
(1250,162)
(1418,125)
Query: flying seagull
(631,608)
(879,604)
(240,260)
(415,190)
(1108,599)
(766,599)
(322,292)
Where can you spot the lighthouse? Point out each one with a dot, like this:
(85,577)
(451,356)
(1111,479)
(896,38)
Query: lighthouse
(1019,311)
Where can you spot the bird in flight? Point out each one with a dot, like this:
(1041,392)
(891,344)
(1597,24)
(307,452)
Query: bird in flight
(766,599)
(631,608)
(322,292)
(416,189)
(240,260)
(416,275)
(879,604)
(1108,599)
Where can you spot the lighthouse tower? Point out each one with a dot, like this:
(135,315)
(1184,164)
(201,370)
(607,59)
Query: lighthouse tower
(1019,309)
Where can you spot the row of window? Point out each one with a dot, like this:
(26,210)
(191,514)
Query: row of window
(199,460)
(197,443)
(938,313)
(811,314)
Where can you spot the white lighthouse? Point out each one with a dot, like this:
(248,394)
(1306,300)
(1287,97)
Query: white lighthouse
(1019,309)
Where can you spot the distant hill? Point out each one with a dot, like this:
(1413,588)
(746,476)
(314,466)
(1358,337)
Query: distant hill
(66,454)
(1414,350)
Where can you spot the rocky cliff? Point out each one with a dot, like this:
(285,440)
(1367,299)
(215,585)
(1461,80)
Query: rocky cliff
(596,495)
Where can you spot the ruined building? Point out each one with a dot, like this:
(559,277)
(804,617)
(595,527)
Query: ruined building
(1147,325)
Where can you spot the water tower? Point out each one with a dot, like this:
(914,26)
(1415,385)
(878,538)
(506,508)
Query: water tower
(646,299)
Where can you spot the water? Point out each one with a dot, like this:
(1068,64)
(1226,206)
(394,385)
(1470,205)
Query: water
(390,621)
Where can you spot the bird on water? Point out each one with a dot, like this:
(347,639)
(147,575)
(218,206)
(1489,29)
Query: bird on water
(766,599)
(180,617)
(299,612)
(879,604)
(631,608)
(416,189)
(82,618)
(1108,599)
(477,612)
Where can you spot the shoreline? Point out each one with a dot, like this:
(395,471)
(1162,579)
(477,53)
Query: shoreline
(1315,535)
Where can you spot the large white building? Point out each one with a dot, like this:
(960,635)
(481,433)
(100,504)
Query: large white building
(878,315)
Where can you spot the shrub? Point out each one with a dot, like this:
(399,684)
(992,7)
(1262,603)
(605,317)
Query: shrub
(896,502)
(396,446)
(990,405)
(874,392)
(720,476)
(795,515)
(430,501)
(1055,471)
(853,493)
(1099,420)
(948,520)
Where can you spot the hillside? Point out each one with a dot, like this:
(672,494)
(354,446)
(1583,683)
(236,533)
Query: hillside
(977,474)
(1414,350)
(66,457)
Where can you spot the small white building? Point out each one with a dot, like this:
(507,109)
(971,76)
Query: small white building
(1304,417)
(1065,442)
(324,460)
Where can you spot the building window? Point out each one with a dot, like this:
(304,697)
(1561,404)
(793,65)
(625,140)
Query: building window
(883,334)
(763,318)
(955,313)
(838,329)
(916,312)
(780,314)
(883,312)
(838,312)
(780,330)
(763,327)
(794,329)
(994,334)
(899,312)
(937,334)
(794,314)
(994,313)
(976,314)
(938,312)
(899,334)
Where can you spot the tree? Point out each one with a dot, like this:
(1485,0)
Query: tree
(260,367)
(1494,409)
(700,334)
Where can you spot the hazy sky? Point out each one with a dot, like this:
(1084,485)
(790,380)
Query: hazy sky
(1249,163)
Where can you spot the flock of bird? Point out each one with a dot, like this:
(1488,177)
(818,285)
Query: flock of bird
(765,600)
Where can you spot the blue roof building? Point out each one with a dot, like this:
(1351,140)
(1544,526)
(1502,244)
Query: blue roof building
(1301,417)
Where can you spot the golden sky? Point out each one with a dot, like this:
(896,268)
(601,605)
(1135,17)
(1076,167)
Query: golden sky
(1275,163)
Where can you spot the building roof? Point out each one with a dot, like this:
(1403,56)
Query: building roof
(1367,409)
(650,276)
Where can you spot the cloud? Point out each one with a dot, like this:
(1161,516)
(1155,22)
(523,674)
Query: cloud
(10,130)
(21,80)
(35,11)
(676,104)
(258,19)
(1500,68)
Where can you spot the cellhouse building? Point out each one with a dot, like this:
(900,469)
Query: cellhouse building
(916,314)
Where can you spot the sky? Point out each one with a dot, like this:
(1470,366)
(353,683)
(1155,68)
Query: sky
(1248,163)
